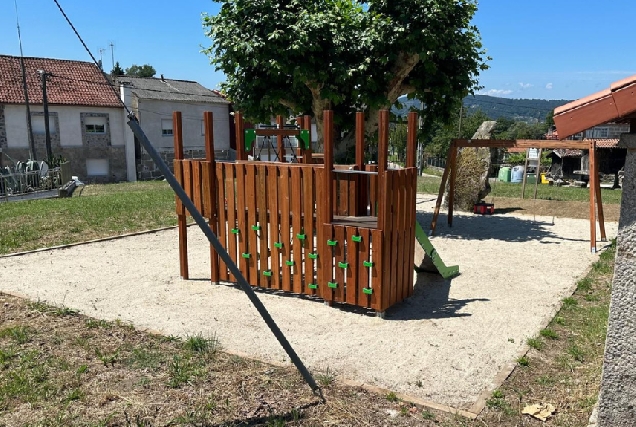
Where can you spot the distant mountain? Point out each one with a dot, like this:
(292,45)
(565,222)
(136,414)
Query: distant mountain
(528,110)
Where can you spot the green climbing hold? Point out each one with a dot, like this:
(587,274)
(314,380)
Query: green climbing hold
(313,256)
(278,245)
(367,264)
(304,138)
(267,273)
(312,286)
(332,285)
(250,137)
(301,236)
(343,264)
(289,263)
(332,242)
(247,256)
(367,291)
(357,239)
(256,227)
(235,231)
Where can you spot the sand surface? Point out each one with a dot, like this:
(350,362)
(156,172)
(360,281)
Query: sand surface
(446,344)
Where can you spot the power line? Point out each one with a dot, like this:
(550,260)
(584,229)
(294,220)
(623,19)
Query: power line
(24,86)
(213,239)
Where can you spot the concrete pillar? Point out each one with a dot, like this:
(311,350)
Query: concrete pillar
(129,137)
(617,404)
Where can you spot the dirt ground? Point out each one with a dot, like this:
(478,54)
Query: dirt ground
(560,209)
(449,344)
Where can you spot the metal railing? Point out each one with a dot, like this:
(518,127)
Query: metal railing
(14,182)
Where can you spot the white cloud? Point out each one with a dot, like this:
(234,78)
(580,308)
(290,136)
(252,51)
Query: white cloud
(548,86)
(525,85)
(495,92)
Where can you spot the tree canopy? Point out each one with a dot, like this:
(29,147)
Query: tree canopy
(145,70)
(300,57)
(117,70)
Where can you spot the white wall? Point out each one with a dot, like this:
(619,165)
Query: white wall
(15,121)
(69,120)
(152,111)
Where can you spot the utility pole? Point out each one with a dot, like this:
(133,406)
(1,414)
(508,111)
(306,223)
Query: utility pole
(45,102)
(112,54)
(461,113)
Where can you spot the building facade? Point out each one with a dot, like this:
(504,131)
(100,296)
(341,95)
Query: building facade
(86,119)
(153,100)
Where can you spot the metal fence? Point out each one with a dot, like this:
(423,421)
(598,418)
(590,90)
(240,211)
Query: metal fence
(14,181)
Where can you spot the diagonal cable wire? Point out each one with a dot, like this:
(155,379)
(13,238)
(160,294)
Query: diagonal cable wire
(212,238)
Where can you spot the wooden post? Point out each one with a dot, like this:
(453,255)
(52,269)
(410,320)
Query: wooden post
(592,184)
(442,189)
(280,139)
(599,203)
(308,157)
(208,120)
(328,168)
(361,180)
(240,136)
(525,174)
(451,187)
(411,140)
(383,153)
(177,130)
(537,173)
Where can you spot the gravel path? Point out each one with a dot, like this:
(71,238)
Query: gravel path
(446,344)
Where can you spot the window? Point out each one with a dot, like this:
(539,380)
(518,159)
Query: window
(95,124)
(97,167)
(598,132)
(37,124)
(166,127)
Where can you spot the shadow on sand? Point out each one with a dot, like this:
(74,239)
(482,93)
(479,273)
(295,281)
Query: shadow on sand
(498,227)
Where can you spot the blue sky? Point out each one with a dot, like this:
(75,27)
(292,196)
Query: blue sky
(558,49)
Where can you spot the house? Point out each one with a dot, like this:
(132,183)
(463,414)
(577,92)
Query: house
(86,118)
(153,100)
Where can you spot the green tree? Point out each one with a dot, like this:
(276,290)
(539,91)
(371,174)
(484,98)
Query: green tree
(297,57)
(549,119)
(145,70)
(117,70)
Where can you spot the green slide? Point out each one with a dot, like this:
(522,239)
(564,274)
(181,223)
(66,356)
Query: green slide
(446,272)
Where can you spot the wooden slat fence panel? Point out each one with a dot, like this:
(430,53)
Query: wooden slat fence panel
(284,206)
(283,202)
(352,271)
(232,225)
(297,230)
(274,232)
(263,232)
(252,223)
(222,217)
(309,208)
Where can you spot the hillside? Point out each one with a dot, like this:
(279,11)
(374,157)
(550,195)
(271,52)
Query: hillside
(530,110)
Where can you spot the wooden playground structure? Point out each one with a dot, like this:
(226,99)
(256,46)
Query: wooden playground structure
(344,233)
(450,173)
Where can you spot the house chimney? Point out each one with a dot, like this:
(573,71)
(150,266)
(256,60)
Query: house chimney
(162,79)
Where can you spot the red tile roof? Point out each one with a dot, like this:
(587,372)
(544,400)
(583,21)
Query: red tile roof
(71,82)
(612,104)
(606,143)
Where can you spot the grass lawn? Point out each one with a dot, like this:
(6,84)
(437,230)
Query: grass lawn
(430,185)
(101,211)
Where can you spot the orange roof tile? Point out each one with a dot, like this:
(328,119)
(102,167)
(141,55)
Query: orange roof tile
(71,82)
(606,143)
(612,104)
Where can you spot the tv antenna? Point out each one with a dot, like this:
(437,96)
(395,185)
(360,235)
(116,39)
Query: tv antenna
(112,54)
